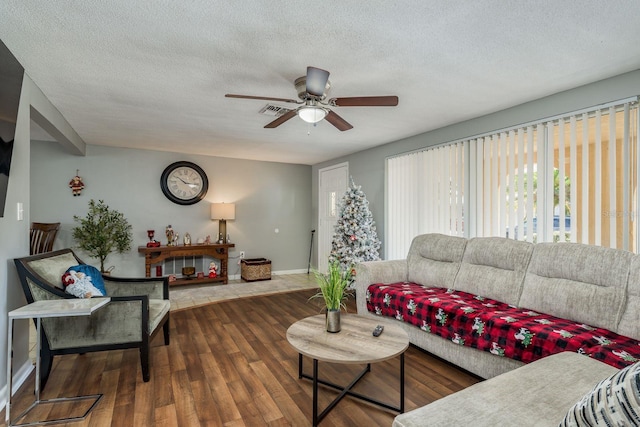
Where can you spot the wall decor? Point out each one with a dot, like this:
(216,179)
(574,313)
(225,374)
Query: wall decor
(184,183)
(76,184)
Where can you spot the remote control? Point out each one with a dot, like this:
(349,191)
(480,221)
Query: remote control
(378,330)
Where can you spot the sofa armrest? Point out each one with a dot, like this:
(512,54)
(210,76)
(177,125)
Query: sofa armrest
(155,288)
(389,271)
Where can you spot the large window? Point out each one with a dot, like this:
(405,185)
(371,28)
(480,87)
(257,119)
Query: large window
(569,178)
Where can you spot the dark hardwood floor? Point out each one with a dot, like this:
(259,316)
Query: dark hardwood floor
(229,364)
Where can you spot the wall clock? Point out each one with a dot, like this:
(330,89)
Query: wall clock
(184,183)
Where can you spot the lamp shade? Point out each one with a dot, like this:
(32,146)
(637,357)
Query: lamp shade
(311,113)
(223,211)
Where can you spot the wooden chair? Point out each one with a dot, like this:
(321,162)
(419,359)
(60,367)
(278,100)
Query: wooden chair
(42,236)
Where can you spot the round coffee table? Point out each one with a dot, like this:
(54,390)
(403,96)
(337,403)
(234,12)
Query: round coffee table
(354,344)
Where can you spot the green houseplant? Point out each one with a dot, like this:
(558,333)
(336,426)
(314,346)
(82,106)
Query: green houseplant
(102,231)
(333,286)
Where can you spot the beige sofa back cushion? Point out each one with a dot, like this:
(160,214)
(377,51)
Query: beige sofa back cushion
(630,320)
(579,282)
(494,267)
(434,259)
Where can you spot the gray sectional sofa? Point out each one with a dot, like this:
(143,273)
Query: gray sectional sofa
(586,284)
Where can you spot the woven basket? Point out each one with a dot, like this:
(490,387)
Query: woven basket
(255,269)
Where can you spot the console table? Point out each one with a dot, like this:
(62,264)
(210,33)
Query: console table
(161,253)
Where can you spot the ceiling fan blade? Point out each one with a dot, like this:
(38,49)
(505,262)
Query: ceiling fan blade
(365,101)
(280,120)
(265,98)
(338,121)
(316,81)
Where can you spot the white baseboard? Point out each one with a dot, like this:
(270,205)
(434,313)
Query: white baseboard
(18,379)
(277,273)
(273,273)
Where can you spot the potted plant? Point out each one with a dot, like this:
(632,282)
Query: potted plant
(333,286)
(102,231)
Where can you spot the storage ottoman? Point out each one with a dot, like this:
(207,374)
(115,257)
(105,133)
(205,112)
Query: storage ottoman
(255,269)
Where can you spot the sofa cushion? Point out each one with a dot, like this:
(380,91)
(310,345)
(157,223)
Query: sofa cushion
(494,267)
(615,401)
(434,259)
(580,282)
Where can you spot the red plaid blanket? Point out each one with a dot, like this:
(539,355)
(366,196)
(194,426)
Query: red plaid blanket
(496,327)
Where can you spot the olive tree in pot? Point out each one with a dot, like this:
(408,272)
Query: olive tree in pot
(102,231)
(333,287)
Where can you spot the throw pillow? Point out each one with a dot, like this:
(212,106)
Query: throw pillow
(614,401)
(83,281)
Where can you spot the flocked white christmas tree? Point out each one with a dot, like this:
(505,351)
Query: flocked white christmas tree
(354,239)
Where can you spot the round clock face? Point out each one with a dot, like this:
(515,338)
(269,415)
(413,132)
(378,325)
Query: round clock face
(184,183)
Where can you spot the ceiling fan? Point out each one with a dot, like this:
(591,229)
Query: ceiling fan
(312,90)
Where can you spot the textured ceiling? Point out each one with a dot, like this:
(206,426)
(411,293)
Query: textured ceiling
(153,74)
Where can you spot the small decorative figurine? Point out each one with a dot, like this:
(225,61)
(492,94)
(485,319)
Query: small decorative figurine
(207,241)
(76,184)
(213,270)
(187,239)
(170,235)
(152,243)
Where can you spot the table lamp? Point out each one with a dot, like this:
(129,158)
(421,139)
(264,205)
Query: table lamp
(222,212)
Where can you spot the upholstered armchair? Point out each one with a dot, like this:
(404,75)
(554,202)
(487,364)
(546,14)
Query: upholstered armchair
(137,310)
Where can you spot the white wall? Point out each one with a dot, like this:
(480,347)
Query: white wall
(267,195)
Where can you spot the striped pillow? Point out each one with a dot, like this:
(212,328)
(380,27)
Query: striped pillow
(615,401)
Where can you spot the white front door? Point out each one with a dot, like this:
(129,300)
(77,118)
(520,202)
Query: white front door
(333,183)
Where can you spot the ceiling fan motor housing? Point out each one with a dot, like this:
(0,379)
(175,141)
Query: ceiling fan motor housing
(301,87)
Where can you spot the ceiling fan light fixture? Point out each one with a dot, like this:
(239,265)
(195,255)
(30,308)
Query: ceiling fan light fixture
(311,113)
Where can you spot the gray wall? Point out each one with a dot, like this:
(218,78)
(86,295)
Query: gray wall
(267,195)
(367,167)
(15,234)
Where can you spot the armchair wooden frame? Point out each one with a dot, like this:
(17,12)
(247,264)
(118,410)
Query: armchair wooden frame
(131,299)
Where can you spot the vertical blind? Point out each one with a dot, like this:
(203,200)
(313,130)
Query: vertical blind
(424,194)
(568,178)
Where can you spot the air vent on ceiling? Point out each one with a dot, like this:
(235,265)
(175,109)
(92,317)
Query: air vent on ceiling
(274,110)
